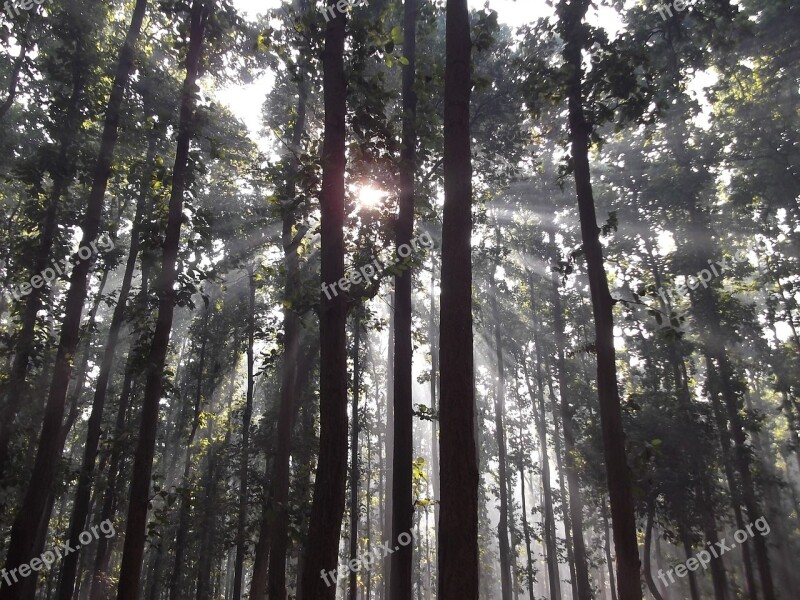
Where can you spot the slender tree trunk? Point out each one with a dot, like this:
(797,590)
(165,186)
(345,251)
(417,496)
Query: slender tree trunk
(80,509)
(733,486)
(204,588)
(354,470)
(609,560)
(99,585)
(389,444)
(245,458)
(648,571)
(584,591)
(327,507)
(558,451)
(458,518)
(687,552)
(403,456)
(540,417)
(279,485)
(617,470)
(133,551)
(182,534)
(499,425)
(23,536)
(527,531)
(742,454)
(14,389)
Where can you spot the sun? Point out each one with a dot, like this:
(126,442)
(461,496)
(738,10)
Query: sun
(370,197)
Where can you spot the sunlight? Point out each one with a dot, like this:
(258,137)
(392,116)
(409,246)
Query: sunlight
(370,197)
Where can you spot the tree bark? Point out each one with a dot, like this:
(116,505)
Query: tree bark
(403,456)
(128,588)
(584,590)
(14,389)
(80,508)
(328,502)
(354,470)
(499,425)
(617,470)
(458,518)
(23,533)
(244,462)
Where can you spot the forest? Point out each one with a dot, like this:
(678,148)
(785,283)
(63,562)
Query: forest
(399,300)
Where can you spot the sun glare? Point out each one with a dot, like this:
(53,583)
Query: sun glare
(370,197)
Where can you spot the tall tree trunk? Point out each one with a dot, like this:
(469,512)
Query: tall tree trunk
(458,518)
(526,529)
(354,470)
(540,419)
(14,388)
(584,591)
(245,458)
(204,590)
(23,536)
(182,533)
(742,454)
(558,451)
(687,552)
(648,538)
(617,471)
(80,508)
(133,550)
(403,456)
(99,585)
(499,425)
(278,498)
(327,507)
(733,486)
(389,445)
(434,344)
(609,560)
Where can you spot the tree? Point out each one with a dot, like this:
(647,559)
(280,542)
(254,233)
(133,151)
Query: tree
(458,517)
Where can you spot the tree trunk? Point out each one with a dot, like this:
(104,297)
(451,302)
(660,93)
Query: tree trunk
(609,560)
(584,590)
(133,551)
(80,509)
(99,585)
(328,503)
(23,536)
(277,510)
(526,530)
(499,425)
(733,486)
(403,456)
(540,419)
(458,518)
(648,538)
(14,389)
(617,471)
(389,444)
(354,470)
(245,458)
